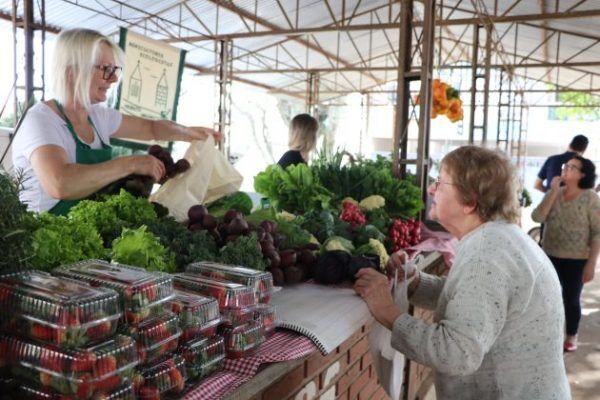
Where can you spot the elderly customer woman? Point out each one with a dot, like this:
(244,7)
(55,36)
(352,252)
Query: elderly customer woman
(497,331)
(63,144)
(571,215)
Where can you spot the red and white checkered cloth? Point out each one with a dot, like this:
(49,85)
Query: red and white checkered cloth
(282,346)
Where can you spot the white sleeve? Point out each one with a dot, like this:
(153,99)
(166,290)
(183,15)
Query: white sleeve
(38,130)
(107,121)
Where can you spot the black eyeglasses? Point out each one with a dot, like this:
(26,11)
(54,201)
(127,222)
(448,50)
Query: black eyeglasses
(109,71)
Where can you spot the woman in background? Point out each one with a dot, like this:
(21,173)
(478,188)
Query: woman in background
(303,139)
(571,217)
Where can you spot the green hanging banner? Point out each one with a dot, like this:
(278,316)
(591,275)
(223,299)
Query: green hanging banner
(151,77)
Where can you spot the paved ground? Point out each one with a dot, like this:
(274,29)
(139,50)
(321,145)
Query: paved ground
(583,366)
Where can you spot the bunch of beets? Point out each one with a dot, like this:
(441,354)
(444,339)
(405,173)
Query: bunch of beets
(172,168)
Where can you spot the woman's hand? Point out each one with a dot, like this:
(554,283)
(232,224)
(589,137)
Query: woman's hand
(588,271)
(201,133)
(395,266)
(148,165)
(374,288)
(555,183)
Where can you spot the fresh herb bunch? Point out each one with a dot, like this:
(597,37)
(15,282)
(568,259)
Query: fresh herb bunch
(16,226)
(244,251)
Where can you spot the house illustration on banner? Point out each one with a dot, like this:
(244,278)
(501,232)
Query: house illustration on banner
(162,91)
(135,84)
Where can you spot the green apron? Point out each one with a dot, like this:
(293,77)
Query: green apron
(84,154)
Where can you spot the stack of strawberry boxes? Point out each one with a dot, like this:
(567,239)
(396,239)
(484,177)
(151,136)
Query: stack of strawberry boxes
(242,295)
(59,339)
(155,331)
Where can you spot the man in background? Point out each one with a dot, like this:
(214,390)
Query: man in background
(553,165)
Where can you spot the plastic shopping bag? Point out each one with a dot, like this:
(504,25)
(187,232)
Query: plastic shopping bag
(209,178)
(389,363)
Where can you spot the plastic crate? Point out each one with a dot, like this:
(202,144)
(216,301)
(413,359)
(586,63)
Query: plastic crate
(228,294)
(58,311)
(260,281)
(142,292)
(164,378)
(83,372)
(198,315)
(203,356)
(155,336)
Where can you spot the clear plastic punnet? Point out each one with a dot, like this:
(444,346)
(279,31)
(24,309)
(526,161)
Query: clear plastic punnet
(56,310)
(267,315)
(260,281)
(155,336)
(166,377)
(30,391)
(83,373)
(237,316)
(243,340)
(203,356)
(228,294)
(142,292)
(198,315)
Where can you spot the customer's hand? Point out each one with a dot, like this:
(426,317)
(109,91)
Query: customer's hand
(396,264)
(374,288)
(555,183)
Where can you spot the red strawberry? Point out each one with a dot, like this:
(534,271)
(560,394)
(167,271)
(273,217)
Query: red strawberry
(176,307)
(138,381)
(41,332)
(149,393)
(84,361)
(105,366)
(99,331)
(128,293)
(177,381)
(108,383)
(150,292)
(85,388)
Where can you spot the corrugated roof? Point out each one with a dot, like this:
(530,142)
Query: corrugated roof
(561,49)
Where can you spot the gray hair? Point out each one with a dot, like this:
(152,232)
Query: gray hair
(75,56)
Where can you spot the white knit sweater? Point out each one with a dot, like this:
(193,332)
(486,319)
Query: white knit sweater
(498,329)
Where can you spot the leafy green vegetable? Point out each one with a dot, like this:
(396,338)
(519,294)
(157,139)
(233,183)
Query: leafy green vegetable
(16,227)
(59,240)
(186,246)
(295,189)
(141,248)
(244,251)
(366,232)
(338,243)
(374,246)
(237,200)
(321,224)
(295,236)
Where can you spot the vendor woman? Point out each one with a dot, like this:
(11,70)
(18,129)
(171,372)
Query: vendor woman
(63,146)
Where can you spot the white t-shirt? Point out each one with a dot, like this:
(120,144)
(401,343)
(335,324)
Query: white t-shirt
(41,127)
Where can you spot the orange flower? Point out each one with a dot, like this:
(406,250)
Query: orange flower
(455,111)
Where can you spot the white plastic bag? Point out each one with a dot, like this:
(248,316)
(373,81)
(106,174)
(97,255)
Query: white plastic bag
(389,363)
(210,177)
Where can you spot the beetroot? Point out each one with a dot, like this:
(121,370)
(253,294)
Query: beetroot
(209,222)
(274,258)
(155,150)
(230,215)
(238,226)
(278,276)
(293,274)
(182,165)
(288,258)
(307,257)
(196,213)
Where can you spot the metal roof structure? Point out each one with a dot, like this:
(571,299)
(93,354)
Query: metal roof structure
(351,44)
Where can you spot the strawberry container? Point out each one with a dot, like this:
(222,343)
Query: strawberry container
(166,377)
(142,292)
(58,311)
(241,341)
(267,315)
(84,372)
(198,315)
(228,294)
(203,356)
(261,282)
(30,391)
(237,316)
(155,336)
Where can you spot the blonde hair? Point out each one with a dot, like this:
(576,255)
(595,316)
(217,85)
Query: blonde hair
(76,54)
(485,178)
(303,133)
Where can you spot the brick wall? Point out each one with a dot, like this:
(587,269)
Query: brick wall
(346,373)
